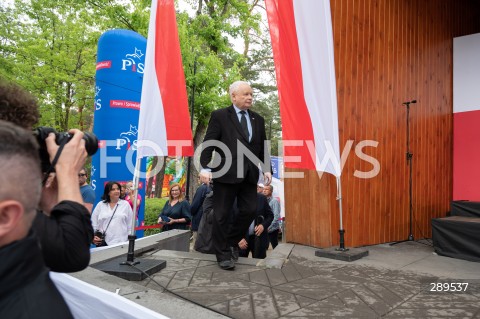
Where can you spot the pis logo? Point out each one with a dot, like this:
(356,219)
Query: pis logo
(128,138)
(98,101)
(133,62)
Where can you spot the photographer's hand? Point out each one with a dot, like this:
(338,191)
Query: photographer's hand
(71,160)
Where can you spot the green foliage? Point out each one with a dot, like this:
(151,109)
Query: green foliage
(153,208)
(49,47)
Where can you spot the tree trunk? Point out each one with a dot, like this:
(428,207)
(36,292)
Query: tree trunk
(159,183)
(150,179)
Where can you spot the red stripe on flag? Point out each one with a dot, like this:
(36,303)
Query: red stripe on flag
(296,121)
(171,78)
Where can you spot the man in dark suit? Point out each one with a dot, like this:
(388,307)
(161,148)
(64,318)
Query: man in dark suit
(237,135)
(196,208)
(256,239)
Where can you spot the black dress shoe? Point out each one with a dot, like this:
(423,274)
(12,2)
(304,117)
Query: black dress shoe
(226,264)
(234,253)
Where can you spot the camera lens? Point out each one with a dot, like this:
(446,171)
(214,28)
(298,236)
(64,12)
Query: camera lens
(41,134)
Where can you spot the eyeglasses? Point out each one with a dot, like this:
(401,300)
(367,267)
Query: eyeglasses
(82,175)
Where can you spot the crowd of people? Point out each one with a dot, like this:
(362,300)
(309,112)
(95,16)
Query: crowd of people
(47,214)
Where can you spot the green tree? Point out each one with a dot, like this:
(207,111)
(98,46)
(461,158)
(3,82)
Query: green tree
(49,48)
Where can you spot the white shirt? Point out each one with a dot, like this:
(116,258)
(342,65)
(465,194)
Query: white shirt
(121,224)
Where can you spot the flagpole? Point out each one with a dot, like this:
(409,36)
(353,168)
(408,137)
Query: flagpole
(341,231)
(132,236)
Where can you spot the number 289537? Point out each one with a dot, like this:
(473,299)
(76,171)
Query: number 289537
(448,286)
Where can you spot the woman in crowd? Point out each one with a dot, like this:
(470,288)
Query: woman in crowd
(123,191)
(112,217)
(176,212)
(129,192)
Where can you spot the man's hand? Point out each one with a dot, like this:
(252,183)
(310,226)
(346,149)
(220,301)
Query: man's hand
(71,160)
(267,178)
(242,244)
(97,240)
(259,230)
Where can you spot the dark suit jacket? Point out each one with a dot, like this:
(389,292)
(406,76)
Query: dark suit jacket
(264,210)
(196,209)
(225,128)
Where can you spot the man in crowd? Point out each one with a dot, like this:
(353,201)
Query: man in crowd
(88,194)
(256,239)
(260,188)
(196,209)
(62,224)
(274,228)
(233,132)
(26,290)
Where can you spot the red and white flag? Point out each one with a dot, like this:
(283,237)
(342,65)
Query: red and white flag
(164,120)
(302,42)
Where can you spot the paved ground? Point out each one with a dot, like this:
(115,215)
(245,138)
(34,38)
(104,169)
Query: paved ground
(391,282)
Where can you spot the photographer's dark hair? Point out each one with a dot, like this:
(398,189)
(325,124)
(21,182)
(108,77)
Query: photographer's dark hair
(17,105)
(108,188)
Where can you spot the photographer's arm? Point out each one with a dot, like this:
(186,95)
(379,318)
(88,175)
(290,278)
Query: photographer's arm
(71,160)
(65,236)
(63,185)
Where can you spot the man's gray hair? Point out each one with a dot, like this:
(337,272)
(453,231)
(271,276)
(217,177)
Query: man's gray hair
(234,86)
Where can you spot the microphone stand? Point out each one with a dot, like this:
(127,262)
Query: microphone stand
(409,163)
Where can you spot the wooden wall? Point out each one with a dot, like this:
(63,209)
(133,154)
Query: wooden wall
(386,52)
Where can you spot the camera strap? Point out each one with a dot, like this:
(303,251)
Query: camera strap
(105,231)
(55,160)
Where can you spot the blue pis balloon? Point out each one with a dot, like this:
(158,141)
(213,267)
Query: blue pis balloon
(119,75)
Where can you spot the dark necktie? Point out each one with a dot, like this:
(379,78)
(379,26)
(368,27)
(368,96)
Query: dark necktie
(243,123)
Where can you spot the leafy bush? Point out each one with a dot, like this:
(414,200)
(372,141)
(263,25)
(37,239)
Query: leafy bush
(153,208)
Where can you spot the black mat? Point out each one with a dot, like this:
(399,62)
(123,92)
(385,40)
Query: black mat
(465,208)
(457,237)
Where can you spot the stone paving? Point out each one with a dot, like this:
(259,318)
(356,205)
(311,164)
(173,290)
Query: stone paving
(309,288)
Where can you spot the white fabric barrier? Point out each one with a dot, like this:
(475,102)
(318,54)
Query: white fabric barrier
(87,301)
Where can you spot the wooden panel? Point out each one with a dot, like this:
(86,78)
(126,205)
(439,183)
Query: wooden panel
(386,52)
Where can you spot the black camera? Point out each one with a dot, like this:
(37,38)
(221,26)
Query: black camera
(41,133)
(100,235)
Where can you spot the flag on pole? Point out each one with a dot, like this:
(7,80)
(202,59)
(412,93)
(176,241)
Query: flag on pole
(164,120)
(302,42)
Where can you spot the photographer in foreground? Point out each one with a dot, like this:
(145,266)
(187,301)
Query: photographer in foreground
(26,290)
(62,224)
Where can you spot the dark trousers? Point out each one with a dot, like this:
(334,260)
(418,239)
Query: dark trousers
(256,246)
(273,238)
(227,229)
